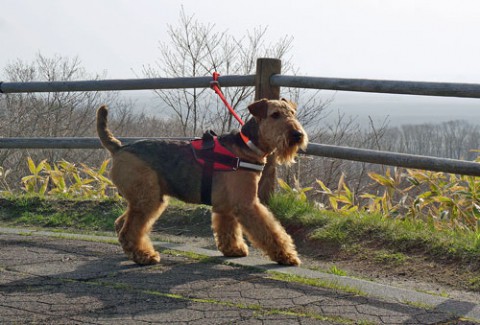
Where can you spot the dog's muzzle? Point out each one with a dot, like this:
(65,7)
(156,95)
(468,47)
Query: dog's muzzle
(296,137)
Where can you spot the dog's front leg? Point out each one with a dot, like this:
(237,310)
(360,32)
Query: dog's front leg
(228,235)
(266,233)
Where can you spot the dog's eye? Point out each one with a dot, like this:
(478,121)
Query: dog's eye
(275,115)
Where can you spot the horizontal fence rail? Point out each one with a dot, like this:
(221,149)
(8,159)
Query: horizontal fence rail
(124,84)
(444,89)
(447,165)
(67,142)
(363,155)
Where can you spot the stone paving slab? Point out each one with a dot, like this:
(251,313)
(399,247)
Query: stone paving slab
(49,280)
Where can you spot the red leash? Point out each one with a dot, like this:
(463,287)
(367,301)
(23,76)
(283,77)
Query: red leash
(216,87)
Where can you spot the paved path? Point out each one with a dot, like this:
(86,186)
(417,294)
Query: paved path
(52,278)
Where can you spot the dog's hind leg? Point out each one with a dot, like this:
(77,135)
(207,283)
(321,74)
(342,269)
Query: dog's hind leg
(228,235)
(139,185)
(133,236)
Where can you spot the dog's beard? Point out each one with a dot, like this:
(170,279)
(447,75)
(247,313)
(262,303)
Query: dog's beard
(287,150)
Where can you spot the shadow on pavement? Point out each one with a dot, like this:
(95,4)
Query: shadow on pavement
(54,280)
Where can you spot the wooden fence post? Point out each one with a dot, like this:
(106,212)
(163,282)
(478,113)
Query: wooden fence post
(263,89)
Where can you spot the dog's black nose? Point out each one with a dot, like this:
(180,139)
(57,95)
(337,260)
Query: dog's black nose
(296,136)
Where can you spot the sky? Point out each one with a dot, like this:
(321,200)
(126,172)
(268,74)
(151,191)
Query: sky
(423,40)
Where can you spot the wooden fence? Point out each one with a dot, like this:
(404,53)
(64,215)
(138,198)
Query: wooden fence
(267,82)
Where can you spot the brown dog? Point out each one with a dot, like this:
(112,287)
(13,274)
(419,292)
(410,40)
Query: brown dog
(147,172)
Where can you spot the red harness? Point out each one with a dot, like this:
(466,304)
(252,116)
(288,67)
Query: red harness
(212,156)
(221,158)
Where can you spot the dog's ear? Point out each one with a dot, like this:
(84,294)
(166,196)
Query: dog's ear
(292,104)
(259,108)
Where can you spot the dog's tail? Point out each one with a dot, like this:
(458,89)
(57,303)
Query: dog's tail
(110,143)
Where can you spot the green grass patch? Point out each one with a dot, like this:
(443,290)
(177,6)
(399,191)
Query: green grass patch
(315,283)
(38,212)
(417,304)
(474,283)
(335,270)
(294,211)
(45,220)
(190,255)
(385,257)
(399,235)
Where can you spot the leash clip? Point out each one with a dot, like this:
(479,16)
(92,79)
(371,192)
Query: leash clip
(214,83)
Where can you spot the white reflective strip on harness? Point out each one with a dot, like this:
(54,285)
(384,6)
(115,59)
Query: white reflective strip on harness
(247,165)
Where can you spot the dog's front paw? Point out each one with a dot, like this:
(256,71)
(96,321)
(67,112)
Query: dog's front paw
(146,258)
(235,251)
(288,259)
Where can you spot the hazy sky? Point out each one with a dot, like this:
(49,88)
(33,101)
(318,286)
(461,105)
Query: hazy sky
(429,40)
